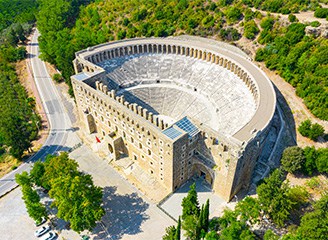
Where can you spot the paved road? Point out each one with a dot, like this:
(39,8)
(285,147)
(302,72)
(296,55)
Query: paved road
(60,123)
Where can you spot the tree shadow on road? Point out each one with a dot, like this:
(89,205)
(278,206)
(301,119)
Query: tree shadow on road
(124,215)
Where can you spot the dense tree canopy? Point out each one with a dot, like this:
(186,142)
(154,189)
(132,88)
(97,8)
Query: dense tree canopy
(314,225)
(34,207)
(75,196)
(301,61)
(273,198)
(18,122)
(292,159)
(17,11)
(307,160)
(312,131)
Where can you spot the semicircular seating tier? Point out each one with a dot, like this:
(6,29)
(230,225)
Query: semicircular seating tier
(176,78)
(178,86)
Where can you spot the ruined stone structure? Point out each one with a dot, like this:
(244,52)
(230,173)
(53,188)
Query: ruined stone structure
(178,107)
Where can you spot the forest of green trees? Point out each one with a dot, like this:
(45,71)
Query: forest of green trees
(17,11)
(18,122)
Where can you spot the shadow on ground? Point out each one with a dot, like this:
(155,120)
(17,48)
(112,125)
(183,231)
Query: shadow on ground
(201,185)
(124,215)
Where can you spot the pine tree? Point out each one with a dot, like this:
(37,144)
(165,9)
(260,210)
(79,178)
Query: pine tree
(206,215)
(177,234)
(190,213)
(190,204)
(170,233)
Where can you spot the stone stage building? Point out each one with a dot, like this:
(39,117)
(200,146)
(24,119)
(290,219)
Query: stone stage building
(177,107)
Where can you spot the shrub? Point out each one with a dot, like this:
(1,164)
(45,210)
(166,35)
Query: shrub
(322,160)
(316,131)
(298,195)
(321,12)
(315,24)
(233,14)
(312,131)
(292,159)
(230,34)
(251,29)
(310,155)
(270,235)
(57,77)
(292,18)
(313,182)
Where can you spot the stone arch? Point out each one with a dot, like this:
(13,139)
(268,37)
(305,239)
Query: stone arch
(155,48)
(183,51)
(174,49)
(91,124)
(164,48)
(201,170)
(150,48)
(159,48)
(169,49)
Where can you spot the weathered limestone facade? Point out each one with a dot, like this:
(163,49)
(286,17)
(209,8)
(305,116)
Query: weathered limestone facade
(172,153)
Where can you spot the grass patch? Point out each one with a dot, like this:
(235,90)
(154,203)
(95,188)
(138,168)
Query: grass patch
(7,164)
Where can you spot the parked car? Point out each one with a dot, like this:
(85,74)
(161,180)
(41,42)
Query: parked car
(49,236)
(43,220)
(42,230)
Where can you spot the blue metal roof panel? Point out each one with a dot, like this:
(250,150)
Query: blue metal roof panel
(172,132)
(81,76)
(186,125)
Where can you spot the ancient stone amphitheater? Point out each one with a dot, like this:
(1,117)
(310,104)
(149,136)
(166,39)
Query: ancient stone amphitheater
(178,107)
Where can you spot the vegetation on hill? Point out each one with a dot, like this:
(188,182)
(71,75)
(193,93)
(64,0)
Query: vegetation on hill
(301,60)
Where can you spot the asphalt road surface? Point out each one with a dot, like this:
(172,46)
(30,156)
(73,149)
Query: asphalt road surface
(58,118)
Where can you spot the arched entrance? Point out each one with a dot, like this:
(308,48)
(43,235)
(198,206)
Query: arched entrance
(91,124)
(201,171)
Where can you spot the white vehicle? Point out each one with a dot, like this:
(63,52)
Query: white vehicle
(42,230)
(43,220)
(49,236)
